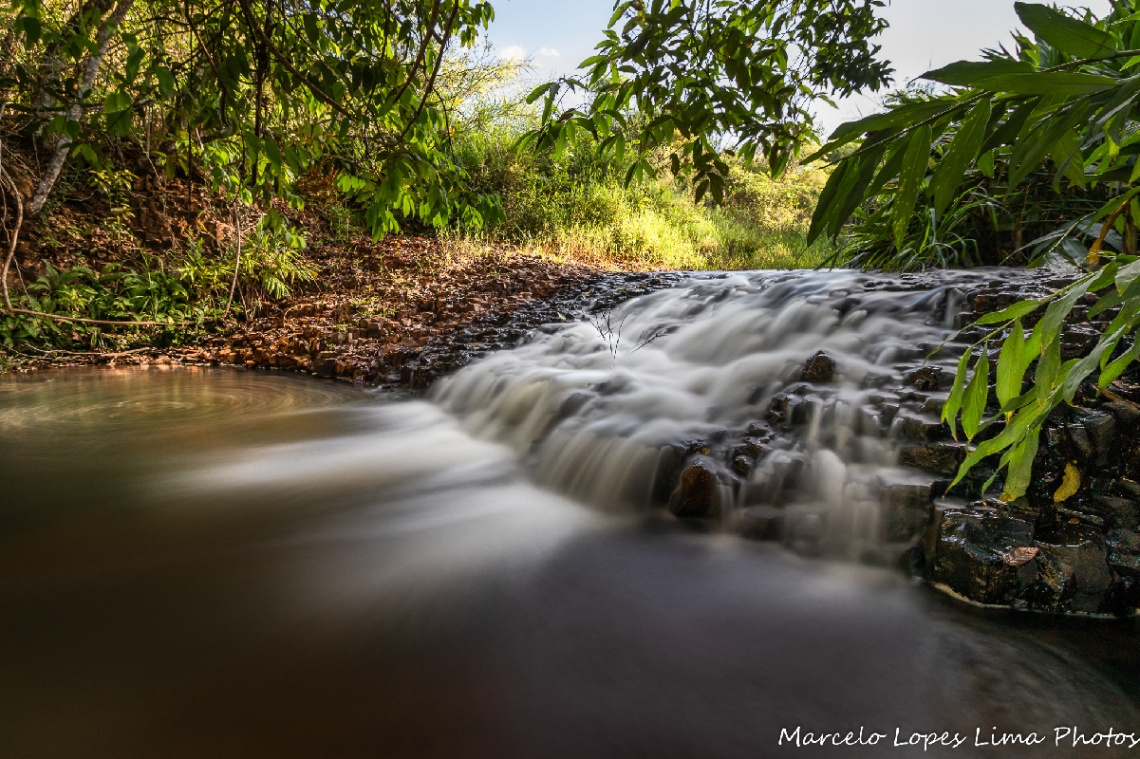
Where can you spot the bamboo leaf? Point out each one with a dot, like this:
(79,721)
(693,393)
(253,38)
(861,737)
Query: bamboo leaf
(962,151)
(913,170)
(1016,311)
(1067,34)
(1012,363)
(1021,458)
(905,115)
(967,73)
(974,399)
(1088,365)
(1047,83)
(825,207)
(1116,367)
(954,402)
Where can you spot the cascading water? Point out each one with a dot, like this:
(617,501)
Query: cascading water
(768,397)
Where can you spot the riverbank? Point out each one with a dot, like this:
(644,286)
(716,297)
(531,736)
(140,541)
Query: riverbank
(395,313)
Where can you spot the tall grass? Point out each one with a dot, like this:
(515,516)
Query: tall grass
(578,207)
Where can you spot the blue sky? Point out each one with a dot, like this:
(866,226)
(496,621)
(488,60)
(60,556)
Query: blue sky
(924,34)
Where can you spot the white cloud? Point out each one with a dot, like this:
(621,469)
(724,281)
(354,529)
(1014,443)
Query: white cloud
(513,53)
(549,52)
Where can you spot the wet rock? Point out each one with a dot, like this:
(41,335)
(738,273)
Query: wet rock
(1101,429)
(1117,511)
(743,465)
(573,404)
(939,458)
(324,365)
(1127,413)
(906,509)
(1077,339)
(1072,578)
(925,378)
(698,494)
(819,368)
(1123,556)
(781,408)
(759,431)
(970,556)
(918,427)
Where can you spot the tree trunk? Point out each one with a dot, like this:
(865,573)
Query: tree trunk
(63,145)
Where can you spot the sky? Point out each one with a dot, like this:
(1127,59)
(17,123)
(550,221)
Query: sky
(924,34)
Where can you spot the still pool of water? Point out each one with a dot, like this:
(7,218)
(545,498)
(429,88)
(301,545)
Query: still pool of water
(211,563)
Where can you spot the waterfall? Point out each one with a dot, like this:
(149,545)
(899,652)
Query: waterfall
(766,400)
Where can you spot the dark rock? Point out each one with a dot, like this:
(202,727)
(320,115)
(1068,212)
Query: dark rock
(1123,555)
(1077,339)
(573,404)
(1128,414)
(670,461)
(1072,578)
(1101,429)
(819,368)
(743,465)
(970,556)
(782,409)
(324,365)
(698,494)
(918,428)
(925,378)
(758,430)
(906,509)
(940,458)
(1118,511)
(1081,441)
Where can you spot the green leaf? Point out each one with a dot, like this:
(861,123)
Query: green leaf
(1127,275)
(950,170)
(1066,154)
(1048,368)
(1066,34)
(825,207)
(974,399)
(954,402)
(165,81)
(1021,458)
(967,73)
(1047,83)
(854,193)
(1016,311)
(1012,363)
(1087,365)
(1031,150)
(910,178)
(901,116)
(1117,366)
(1012,434)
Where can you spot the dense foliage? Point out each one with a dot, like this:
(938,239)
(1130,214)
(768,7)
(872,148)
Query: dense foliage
(702,78)
(575,203)
(256,93)
(1054,125)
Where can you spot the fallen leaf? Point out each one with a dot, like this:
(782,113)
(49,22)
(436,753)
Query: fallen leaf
(1018,556)
(1069,486)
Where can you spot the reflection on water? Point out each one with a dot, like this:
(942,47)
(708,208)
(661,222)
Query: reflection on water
(231,564)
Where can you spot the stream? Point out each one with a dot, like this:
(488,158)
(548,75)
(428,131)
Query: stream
(201,562)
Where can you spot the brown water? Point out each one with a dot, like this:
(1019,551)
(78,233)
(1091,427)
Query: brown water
(209,563)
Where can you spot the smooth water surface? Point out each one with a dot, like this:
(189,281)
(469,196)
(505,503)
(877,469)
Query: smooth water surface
(210,563)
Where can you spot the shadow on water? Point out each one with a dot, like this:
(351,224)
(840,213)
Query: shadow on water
(230,564)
